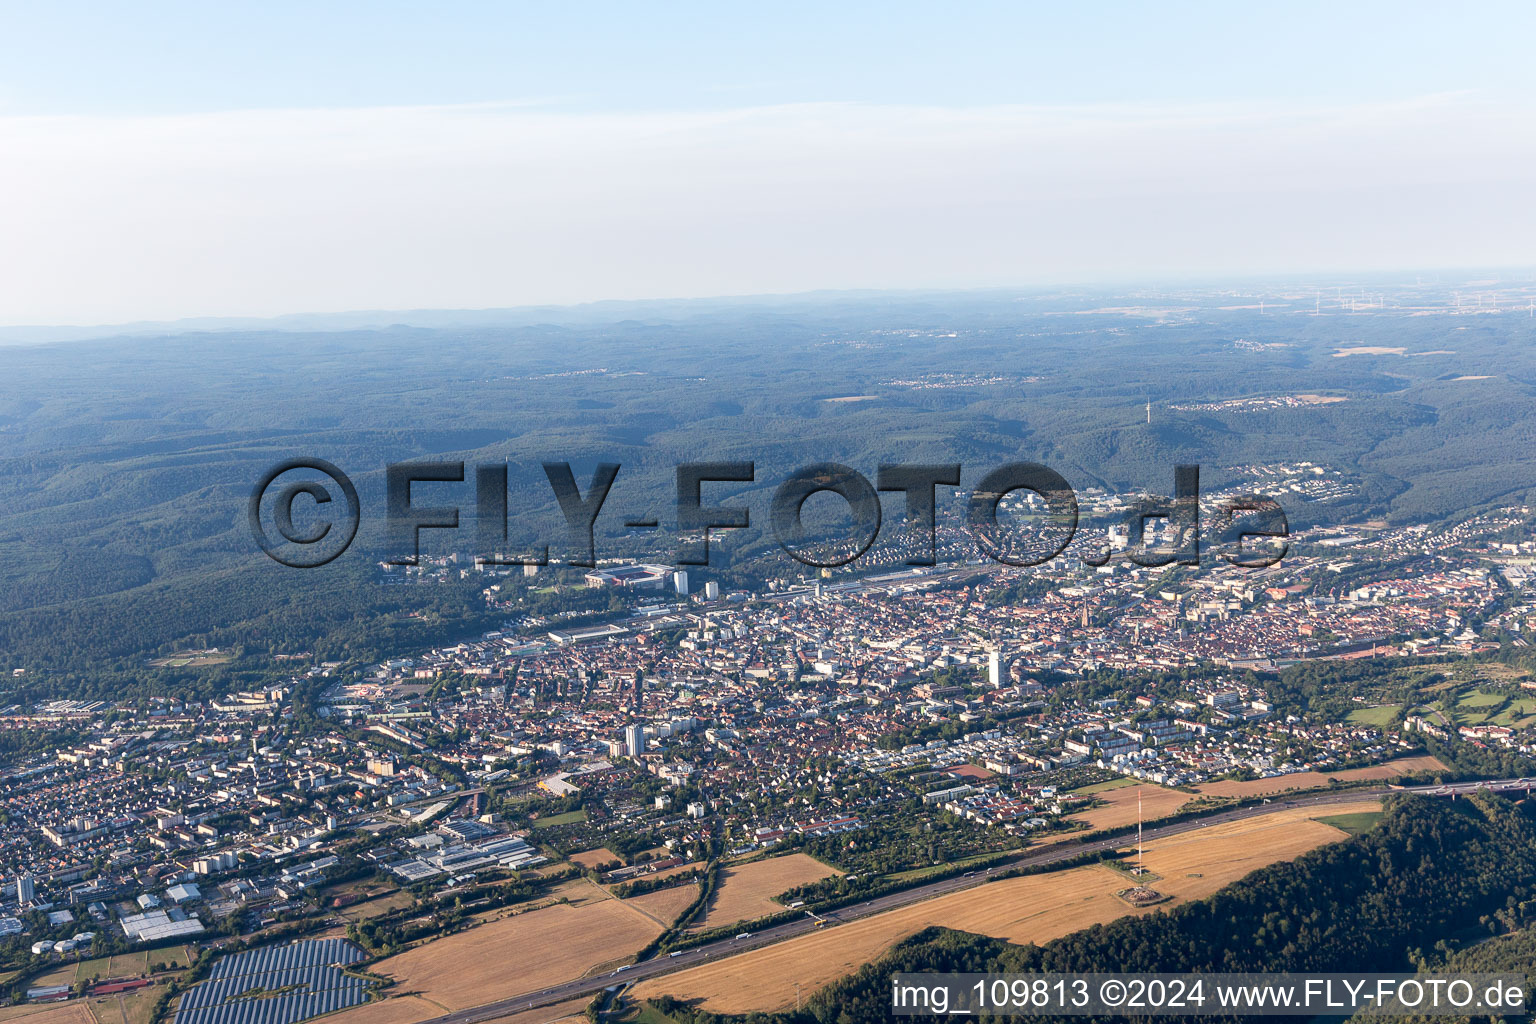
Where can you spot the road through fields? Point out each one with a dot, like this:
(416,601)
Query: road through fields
(1055,853)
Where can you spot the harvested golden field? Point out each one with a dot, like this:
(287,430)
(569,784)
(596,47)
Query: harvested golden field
(745,891)
(1035,908)
(574,1010)
(558,943)
(411,1009)
(400,1010)
(72,1012)
(598,858)
(680,869)
(1120,809)
(579,891)
(1319,780)
(664,905)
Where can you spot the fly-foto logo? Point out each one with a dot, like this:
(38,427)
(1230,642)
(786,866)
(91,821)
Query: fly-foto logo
(333,513)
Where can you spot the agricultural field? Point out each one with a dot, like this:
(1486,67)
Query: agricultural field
(72,1012)
(159,958)
(676,869)
(664,905)
(124,965)
(745,892)
(400,1010)
(560,1013)
(130,965)
(1035,908)
(1120,805)
(581,891)
(470,968)
(61,975)
(680,869)
(596,858)
(1319,780)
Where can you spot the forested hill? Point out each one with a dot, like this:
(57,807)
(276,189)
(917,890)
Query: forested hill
(1509,953)
(123,487)
(1430,870)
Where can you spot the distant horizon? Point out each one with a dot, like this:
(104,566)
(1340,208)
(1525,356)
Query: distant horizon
(190,161)
(1271,283)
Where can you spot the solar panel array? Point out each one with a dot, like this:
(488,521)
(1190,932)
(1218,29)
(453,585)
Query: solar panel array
(306,967)
(314,953)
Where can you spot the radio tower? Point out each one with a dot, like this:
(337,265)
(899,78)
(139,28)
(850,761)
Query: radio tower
(1140,871)
(1149,410)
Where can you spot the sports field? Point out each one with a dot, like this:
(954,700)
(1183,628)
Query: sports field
(745,893)
(1035,908)
(555,820)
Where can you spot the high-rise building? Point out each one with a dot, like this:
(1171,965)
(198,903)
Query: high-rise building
(26,889)
(995,668)
(634,739)
(711,590)
(680,582)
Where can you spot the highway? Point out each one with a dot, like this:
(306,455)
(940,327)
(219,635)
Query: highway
(1054,853)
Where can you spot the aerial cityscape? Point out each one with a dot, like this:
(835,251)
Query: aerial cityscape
(731,785)
(689,514)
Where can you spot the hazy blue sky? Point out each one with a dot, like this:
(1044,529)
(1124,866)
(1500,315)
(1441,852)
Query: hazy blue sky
(164,160)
